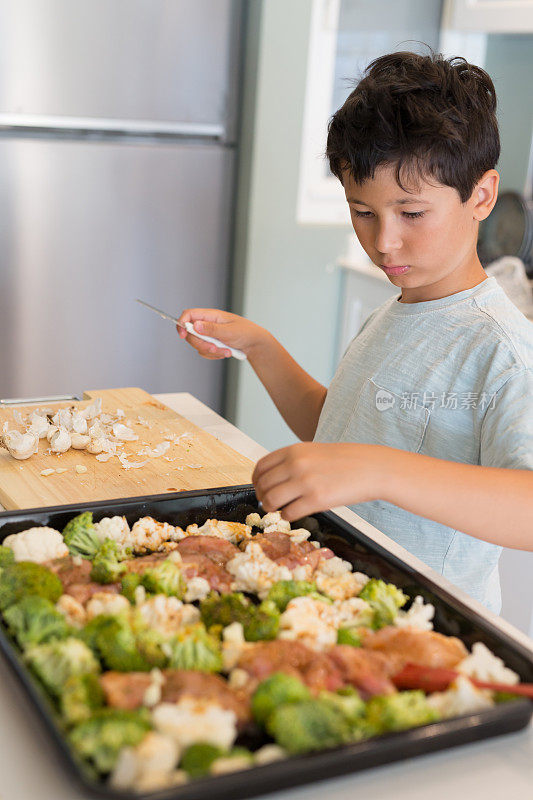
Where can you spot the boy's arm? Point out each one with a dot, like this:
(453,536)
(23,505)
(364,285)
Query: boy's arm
(489,503)
(297,396)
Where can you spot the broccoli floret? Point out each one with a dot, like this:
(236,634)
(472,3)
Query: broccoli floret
(129,583)
(79,534)
(349,636)
(395,712)
(34,620)
(25,578)
(311,725)
(150,646)
(100,739)
(276,690)
(107,563)
(348,702)
(198,758)
(264,623)
(282,592)
(119,646)
(385,599)
(195,649)
(80,697)
(55,662)
(258,622)
(89,633)
(7,556)
(164,578)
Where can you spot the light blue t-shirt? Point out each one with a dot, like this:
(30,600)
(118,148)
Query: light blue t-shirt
(451,378)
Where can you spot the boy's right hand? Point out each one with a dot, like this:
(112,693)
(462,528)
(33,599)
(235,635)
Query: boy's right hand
(235,331)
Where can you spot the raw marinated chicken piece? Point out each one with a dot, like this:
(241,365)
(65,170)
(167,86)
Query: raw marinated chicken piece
(317,670)
(82,592)
(127,689)
(142,563)
(366,670)
(408,645)
(70,572)
(76,579)
(196,565)
(218,550)
(280,548)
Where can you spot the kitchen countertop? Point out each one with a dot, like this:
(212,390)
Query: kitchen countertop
(493,768)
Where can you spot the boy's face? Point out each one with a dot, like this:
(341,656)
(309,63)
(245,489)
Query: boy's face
(425,241)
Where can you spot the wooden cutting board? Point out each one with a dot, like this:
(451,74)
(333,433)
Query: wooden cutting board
(196,461)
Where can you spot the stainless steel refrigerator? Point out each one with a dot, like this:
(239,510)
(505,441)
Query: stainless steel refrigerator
(118,122)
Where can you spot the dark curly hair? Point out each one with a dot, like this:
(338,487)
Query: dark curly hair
(431,117)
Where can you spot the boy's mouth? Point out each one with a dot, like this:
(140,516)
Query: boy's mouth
(393,270)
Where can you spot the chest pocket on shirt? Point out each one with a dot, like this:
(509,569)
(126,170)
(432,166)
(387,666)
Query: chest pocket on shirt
(382,417)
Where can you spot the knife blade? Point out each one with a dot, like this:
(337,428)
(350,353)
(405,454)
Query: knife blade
(190,329)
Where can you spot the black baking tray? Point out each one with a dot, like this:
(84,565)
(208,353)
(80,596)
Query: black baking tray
(452,617)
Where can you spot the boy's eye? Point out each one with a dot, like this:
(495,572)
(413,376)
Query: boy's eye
(413,214)
(407,214)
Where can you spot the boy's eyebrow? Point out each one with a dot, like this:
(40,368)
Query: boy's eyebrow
(401,202)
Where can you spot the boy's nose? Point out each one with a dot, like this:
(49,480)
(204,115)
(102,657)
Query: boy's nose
(388,239)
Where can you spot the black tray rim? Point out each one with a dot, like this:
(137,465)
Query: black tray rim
(295,770)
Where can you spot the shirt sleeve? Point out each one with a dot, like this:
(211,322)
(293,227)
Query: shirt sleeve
(507,429)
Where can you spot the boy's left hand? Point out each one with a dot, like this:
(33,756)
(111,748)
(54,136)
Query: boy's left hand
(313,476)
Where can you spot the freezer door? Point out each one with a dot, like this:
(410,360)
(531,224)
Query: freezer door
(85,228)
(169,60)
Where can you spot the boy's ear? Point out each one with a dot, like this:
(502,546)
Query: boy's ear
(485,195)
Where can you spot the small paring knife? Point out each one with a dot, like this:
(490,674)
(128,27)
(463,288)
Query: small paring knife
(190,329)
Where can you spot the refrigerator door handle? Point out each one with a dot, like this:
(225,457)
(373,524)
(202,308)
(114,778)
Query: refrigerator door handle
(41,124)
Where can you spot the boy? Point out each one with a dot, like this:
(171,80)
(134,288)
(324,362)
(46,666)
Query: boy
(427,428)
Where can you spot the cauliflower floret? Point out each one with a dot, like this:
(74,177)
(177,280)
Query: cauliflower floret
(238,678)
(72,610)
(308,621)
(115,528)
(253,520)
(152,695)
(234,532)
(418,616)
(168,614)
(485,666)
(299,535)
(461,698)
(335,578)
(255,572)
(273,521)
(269,753)
(36,544)
(233,644)
(106,603)
(193,720)
(225,764)
(334,567)
(197,589)
(149,535)
(153,760)
(315,623)
(341,588)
